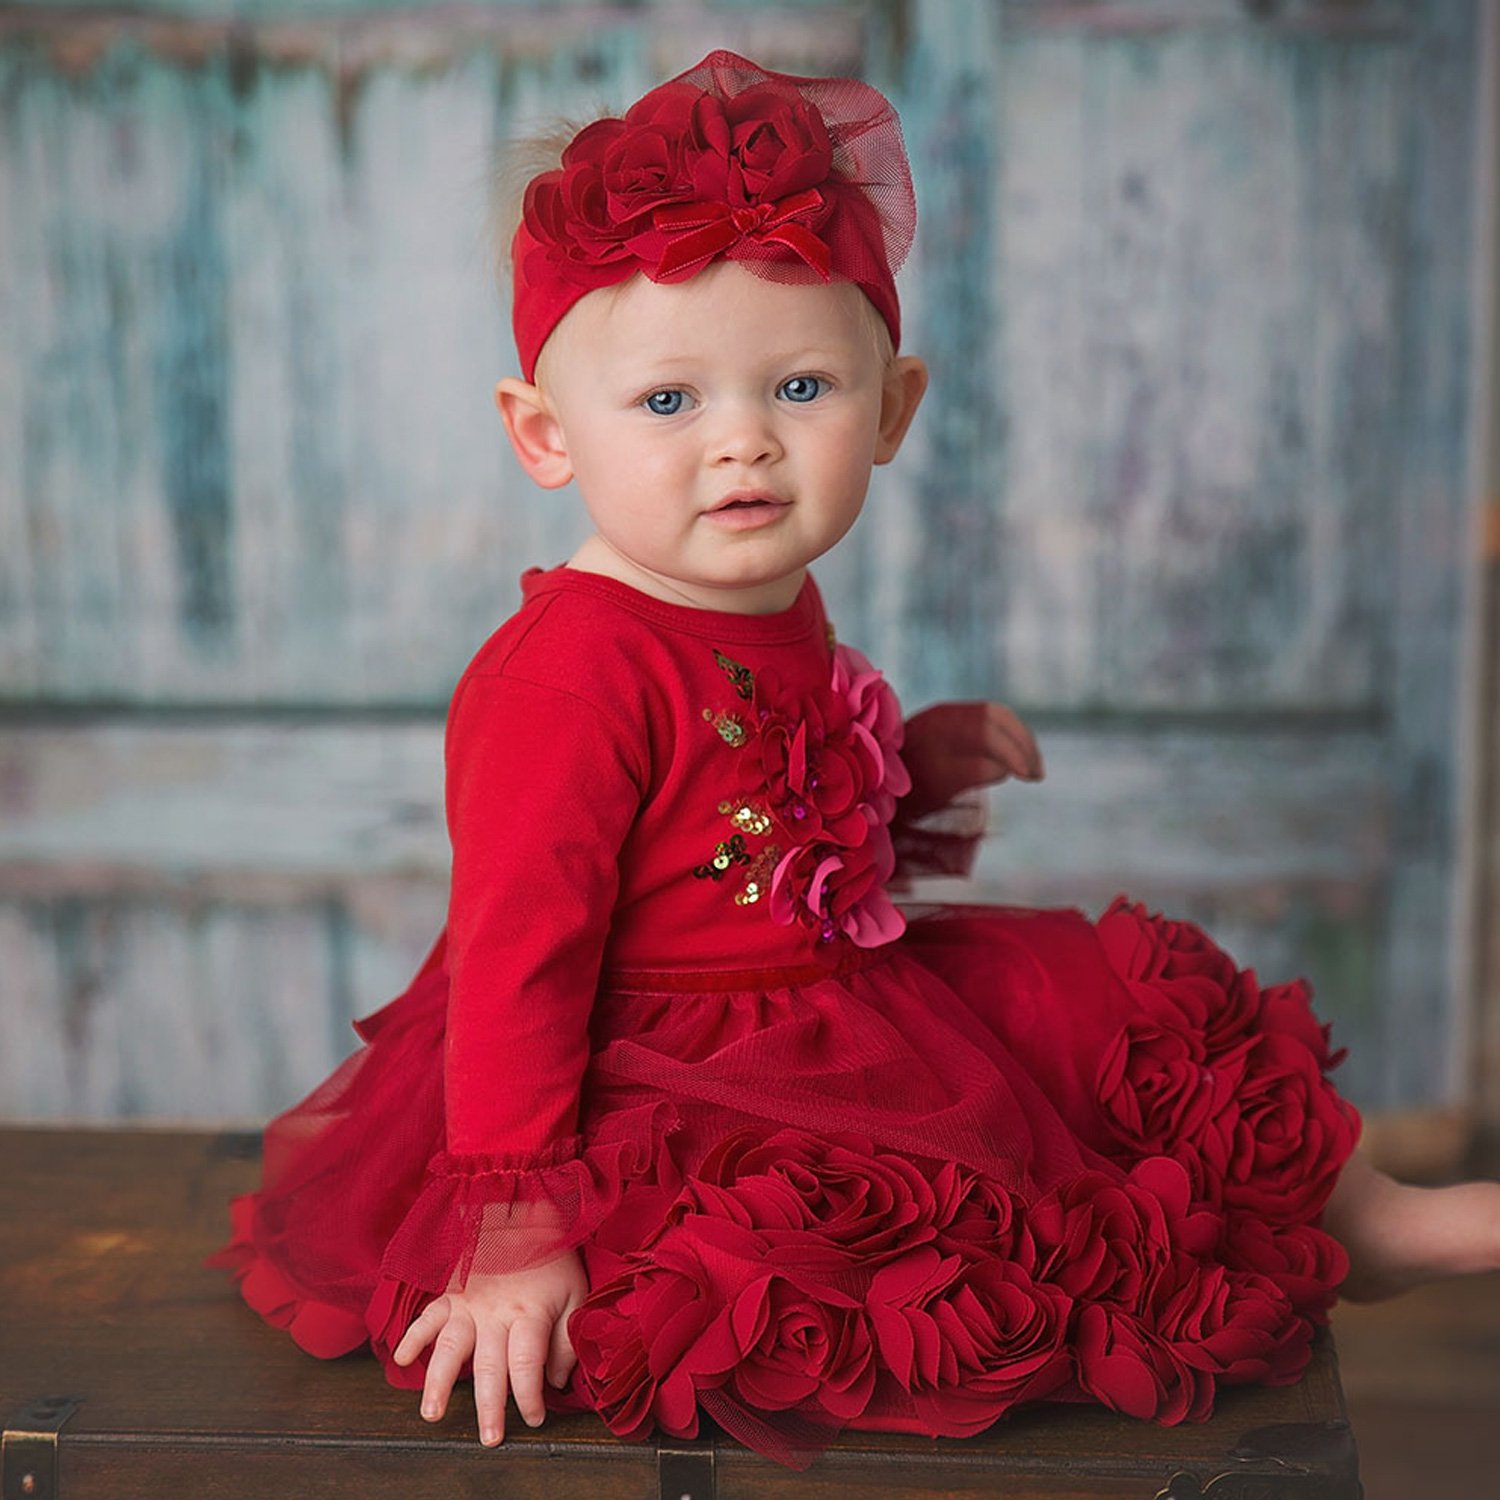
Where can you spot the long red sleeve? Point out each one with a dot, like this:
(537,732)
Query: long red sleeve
(542,787)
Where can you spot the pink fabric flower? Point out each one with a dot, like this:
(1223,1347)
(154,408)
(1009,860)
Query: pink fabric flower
(839,891)
(818,775)
(877,724)
(832,774)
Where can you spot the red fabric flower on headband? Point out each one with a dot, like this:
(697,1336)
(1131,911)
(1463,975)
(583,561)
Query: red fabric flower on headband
(801,179)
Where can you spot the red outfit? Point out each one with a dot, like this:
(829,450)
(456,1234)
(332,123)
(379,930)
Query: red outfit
(822,1172)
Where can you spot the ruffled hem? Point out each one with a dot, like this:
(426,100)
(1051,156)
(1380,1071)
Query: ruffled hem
(1024,1157)
(317,1327)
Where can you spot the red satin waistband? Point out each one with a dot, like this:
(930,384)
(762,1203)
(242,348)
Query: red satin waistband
(674,981)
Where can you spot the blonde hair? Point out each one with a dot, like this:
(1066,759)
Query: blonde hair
(521,158)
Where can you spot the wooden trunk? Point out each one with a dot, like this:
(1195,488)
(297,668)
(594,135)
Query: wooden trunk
(129,1368)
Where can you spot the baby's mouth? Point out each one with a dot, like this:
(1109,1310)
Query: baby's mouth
(747,501)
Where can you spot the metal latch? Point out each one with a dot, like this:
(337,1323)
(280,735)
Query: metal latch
(28,1448)
(681,1474)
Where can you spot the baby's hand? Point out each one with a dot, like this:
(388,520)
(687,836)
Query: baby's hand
(513,1325)
(952,747)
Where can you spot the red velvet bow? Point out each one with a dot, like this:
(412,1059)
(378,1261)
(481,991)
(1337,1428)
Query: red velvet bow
(703,230)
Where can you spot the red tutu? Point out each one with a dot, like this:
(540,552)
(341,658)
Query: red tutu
(1014,1156)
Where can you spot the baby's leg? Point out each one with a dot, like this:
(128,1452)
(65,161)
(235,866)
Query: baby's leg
(1398,1235)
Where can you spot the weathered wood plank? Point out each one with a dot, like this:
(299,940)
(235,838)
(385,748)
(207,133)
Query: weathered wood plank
(184,1392)
(1331,18)
(1423,1036)
(1201,273)
(254,332)
(1484,908)
(941,67)
(254,393)
(316,804)
(229,896)
(1484,649)
(168,1006)
(1194,282)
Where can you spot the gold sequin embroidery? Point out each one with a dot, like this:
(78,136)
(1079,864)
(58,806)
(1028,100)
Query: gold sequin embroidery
(758,876)
(726,854)
(749,817)
(730,728)
(746,816)
(741,676)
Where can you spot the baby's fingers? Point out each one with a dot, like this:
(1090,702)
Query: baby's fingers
(562,1358)
(490,1378)
(528,1355)
(424,1328)
(1012,743)
(454,1345)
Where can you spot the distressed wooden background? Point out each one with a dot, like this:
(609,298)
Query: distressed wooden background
(1190,489)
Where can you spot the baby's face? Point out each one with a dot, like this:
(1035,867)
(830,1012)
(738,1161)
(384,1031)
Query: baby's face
(722,430)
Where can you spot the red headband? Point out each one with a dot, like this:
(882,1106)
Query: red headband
(800,179)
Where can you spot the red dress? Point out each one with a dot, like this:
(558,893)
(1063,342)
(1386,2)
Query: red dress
(822,1171)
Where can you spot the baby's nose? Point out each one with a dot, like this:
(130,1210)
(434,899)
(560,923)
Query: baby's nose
(745,435)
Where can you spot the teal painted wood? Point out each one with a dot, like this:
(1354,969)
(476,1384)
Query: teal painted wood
(224,897)
(1202,282)
(253,341)
(1422,1032)
(1484,654)
(1193,285)
(945,79)
(253,338)
(133,1006)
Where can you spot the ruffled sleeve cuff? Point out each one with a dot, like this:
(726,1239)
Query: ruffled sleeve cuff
(504,1212)
(942,842)
(507,1211)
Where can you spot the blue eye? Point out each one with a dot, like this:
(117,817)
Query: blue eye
(801,388)
(664,403)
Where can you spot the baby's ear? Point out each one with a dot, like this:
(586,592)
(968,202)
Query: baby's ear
(905,381)
(534,432)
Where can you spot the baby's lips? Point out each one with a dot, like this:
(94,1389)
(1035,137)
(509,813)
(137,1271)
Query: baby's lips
(736,496)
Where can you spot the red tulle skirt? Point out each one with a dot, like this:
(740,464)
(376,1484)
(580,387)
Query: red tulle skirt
(1015,1156)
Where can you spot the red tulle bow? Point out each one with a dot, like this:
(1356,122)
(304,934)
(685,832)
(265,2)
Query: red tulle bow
(709,229)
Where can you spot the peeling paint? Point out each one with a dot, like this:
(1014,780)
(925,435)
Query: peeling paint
(1194,283)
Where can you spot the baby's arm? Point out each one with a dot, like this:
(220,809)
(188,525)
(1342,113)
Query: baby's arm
(541,791)
(953,747)
(513,1326)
